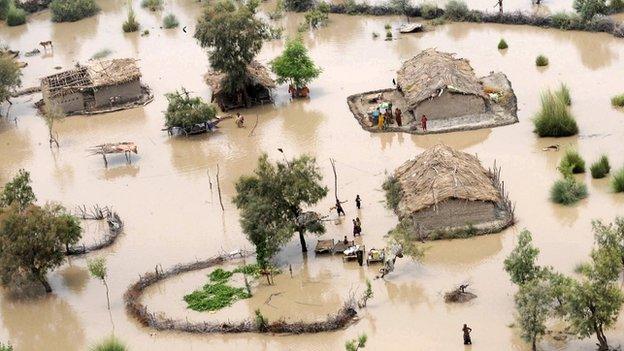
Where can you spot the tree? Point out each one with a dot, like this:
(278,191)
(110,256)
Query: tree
(32,242)
(589,8)
(611,236)
(402,6)
(97,268)
(533,304)
(520,265)
(10,77)
(184,111)
(51,114)
(294,66)
(356,344)
(299,5)
(18,191)
(234,37)
(272,200)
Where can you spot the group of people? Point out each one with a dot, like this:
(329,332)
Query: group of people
(357,223)
(383,115)
(357,227)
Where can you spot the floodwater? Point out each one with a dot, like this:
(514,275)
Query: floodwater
(172,215)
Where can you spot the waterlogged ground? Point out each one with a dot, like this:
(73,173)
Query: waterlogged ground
(172,216)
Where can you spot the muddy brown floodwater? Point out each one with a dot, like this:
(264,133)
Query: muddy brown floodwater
(172,216)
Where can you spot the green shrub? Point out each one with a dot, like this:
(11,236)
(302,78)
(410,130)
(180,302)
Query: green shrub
(393,192)
(131,24)
(213,297)
(563,93)
(261,322)
(562,20)
(110,344)
(429,10)
(541,61)
(571,163)
(616,6)
(72,10)
(387,26)
(567,191)
(554,119)
(316,18)
(617,183)
(600,168)
(388,35)
(618,100)
(298,5)
(15,16)
(170,21)
(502,44)
(589,8)
(5,5)
(101,54)
(220,275)
(6,347)
(152,4)
(456,10)
(184,111)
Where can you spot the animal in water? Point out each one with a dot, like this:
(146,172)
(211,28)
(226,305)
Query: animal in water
(554,147)
(47,44)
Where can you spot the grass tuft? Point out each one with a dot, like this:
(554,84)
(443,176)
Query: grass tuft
(101,54)
(131,24)
(152,4)
(567,191)
(618,100)
(554,118)
(109,344)
(563,93)
(170,21)
(600,168)
(502,44)
(571,163)
(617,183)
(541,61)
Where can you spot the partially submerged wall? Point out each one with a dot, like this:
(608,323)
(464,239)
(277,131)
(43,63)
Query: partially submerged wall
(120,93)
(455,213)
(450,105)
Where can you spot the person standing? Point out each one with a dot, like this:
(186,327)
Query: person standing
(397,117)
(358,201)
(356,231)
(339,208)
(423,123)
(466,329)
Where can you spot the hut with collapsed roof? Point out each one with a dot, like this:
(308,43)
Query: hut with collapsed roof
(257,89)
(100,85)
(446,90)
(445,193)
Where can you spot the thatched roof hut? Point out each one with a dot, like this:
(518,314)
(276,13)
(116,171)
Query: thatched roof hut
(113,72)
(424,75)
(258,88)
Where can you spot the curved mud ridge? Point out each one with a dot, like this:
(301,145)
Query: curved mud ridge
(115,227)
(132,299)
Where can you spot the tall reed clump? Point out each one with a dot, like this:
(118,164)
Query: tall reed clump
(618,100)
(617,183)
(567,191)
(502,44)
(563,93)
(109,344)
(72,10)
(571,163)
(170,21)
(541,61)
(554,118)
(600,168)
(15,16)
(131,24)
(152,4)
(456,10)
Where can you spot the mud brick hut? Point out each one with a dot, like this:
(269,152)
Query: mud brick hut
(257,88)
(445,193)
(99,85)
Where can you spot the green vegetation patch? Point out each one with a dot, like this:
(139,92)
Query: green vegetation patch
(617,183)
(600,168)
(567,191)
(152,4)
(72,10)
(563,93)
(554,118)
(218,294)
(618,100)
(571,163)
(109,344)
(15,16)
(541,61)
(393,192)
(170,21)
(502,44)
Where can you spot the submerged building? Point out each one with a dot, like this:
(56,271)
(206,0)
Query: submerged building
(447,192)
(257,89)
(97,86)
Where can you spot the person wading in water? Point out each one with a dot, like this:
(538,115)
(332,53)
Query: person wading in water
(466,329)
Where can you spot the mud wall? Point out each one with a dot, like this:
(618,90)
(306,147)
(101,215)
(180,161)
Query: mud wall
(450,105)
(122,92)
(69,103)
(454,212)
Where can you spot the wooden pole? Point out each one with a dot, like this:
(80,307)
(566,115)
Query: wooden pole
(333,163)
(254,127)
(219,189)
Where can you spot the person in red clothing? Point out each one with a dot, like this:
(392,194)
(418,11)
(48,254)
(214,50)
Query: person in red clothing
(423,122)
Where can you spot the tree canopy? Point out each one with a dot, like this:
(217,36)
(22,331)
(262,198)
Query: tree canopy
(272,201)
(533,305)
(18,191)
(294,66)
(10,76)
(589,8)
(233,36)
(184,111)
(520,265)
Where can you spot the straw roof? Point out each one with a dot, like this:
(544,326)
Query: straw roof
(97,74)
(442,173)
(424,75)
(255,70)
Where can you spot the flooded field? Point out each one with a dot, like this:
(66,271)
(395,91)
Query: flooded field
(171,215)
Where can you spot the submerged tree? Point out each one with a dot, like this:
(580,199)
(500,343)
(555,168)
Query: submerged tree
(234,37)
(51,114)
(533,305)
(10,77)
(184,111)
(18,191)
(272,200)
(294,66)
(520,265)
(98,270)
(402,6)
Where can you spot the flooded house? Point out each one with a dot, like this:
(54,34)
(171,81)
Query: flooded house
(446,193)
(99,86)
(257,88)
(446,90)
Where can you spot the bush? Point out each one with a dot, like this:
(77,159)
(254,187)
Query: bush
(184,111)
(6,347)
(110,344)
(618,100)
(617,183)
(316,18)
(572,163)
(541,61)
(152,4)
(15,16)
(589,8)
(616,6)
(502,44)
(393,192)
(101,54)
(298,5)
(600,168)
(554,119)
(388,35)
(567,191)
(5,5)
(564,94)
(72,10)
(429,10)
(170,21)
(131,24)
(456,10)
